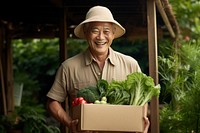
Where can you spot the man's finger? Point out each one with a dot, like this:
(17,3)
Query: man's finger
(74,126)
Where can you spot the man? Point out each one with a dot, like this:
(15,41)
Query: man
(99,61)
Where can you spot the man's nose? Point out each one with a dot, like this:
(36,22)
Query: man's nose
(100,35)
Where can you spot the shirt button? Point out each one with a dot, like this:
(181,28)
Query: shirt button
(98,73)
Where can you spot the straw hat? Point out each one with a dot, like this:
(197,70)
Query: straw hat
(99,14)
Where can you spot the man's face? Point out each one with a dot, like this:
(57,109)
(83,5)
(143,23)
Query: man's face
(99,36)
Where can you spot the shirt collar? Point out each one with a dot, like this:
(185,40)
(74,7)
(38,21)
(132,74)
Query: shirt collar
(89,58)
(111,56)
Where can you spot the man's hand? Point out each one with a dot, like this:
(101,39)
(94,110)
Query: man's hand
(146,124)
(73,126)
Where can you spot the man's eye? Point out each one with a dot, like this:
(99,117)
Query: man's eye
(94,31)
(107,31)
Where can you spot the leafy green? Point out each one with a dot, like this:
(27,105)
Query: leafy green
(117,94)
(142,88)
(90,94)
(102,86)
(137,89)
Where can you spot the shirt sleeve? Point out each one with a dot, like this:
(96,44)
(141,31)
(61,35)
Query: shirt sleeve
(58,90)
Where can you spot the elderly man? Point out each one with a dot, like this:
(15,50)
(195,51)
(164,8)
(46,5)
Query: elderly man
(98,61)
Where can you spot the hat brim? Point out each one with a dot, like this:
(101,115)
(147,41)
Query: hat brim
(78,31)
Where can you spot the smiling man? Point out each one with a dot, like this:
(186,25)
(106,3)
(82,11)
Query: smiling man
(98,61)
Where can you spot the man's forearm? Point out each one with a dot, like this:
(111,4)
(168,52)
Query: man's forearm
(58,112)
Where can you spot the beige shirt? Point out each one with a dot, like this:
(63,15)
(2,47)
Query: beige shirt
(82,71)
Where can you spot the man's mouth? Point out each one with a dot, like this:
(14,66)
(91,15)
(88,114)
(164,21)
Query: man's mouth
(100,43)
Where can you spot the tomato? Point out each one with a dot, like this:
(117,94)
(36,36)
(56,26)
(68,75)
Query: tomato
(78,100)
(73,103)
(83,102)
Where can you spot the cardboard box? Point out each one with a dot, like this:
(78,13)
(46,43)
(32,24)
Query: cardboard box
(106,117)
